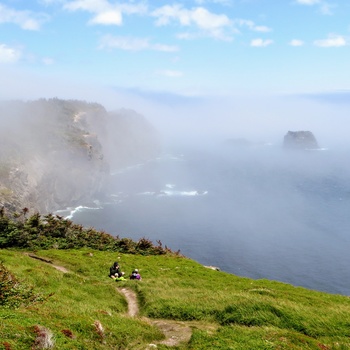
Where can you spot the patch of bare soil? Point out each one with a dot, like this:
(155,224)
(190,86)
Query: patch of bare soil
(175,332)
(60,268)
(130,296)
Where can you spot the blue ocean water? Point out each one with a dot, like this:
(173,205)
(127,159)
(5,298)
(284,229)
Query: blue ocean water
(259,212)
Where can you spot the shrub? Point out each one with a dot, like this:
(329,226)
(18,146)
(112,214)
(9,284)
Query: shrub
(13,293)
(53,231)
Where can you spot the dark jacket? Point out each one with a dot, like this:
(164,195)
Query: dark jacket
(114,270)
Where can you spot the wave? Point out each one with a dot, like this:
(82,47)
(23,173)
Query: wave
(73,211)
(169,186)
(317,149)
(175,193)
(185,193)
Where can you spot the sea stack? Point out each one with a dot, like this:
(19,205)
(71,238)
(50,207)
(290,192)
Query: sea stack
(300,140)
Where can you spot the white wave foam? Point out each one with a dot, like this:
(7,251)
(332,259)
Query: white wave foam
(174,193)
(73,211)
(186,193)
(169,186)
(317,149)
(148,193)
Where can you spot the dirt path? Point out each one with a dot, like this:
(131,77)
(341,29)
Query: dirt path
(48,261)
(175,332)
(130,296)
(60,268)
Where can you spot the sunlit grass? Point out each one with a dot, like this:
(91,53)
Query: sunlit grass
(244,313)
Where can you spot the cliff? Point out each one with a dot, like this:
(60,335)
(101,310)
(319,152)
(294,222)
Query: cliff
(57,153)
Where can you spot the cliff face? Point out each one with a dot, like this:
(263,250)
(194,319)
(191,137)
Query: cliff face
(56,153)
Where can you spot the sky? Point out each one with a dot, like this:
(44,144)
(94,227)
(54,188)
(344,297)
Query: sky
(127,53)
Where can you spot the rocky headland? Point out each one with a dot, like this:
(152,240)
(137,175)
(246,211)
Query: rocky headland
(58,153)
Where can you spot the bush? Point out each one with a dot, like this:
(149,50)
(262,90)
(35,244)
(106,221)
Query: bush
(53,231)
(13,293)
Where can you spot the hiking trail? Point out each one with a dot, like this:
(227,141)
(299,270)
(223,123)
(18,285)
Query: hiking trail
(48,261)
(175,332)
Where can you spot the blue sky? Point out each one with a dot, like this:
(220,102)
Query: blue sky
(169,50)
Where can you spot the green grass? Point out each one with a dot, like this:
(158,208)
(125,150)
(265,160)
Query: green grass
(224,311)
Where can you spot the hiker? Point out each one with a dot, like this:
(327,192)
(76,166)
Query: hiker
(114,271)
(135,275)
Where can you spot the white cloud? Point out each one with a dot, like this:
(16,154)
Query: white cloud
(324,7)
(307,2)
(94,6)
(216,34)
(252,26)
(263,29)
(107,18)
(130,9)
(332,41)
(104,12)
(164,48)
(170,73)
(296,42)
(27,20)
(199,17)
(133,44)
(221,2)
(207,20)
(50,2)
(9,54)
(261,42)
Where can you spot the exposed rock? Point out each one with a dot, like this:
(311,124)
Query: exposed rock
(300,140)
(212,268)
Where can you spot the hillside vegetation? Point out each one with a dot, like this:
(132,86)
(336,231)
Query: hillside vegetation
(79,307)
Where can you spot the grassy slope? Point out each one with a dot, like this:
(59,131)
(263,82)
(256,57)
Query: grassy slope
(225,311)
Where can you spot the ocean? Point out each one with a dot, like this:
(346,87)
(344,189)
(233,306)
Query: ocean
(259,211)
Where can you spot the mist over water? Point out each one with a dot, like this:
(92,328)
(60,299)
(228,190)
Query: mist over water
(257,211)
(260,211)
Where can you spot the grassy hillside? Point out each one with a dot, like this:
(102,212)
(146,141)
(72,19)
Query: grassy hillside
(223,310)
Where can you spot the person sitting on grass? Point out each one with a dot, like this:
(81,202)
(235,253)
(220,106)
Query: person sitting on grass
(116,273)
(135,275)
